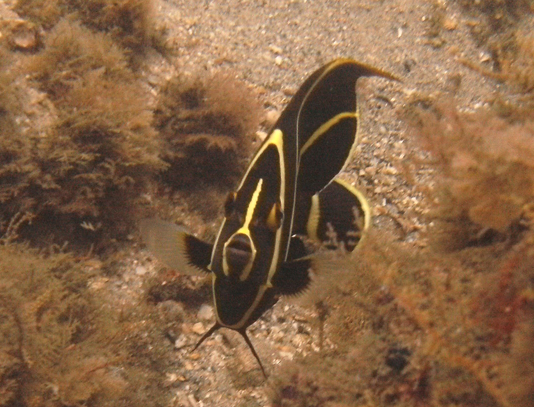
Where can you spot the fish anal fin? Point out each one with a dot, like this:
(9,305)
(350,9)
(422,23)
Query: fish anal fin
(176,248)
(339,216)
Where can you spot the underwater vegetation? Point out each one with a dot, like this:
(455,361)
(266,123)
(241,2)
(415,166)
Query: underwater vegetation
(207,126)
(51,344)
(130,23)
(89,147)
(16,162)
(66,342)
(486,169)
(422,328)
(498,14)
(450,323)
(95,149)
(492,23)
(515,69)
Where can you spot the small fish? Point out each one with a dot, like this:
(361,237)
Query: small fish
(288,195)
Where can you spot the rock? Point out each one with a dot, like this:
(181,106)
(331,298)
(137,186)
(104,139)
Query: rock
(140,270)
(23,35)
(181,342)
(275,49)
(271,116)
(205,312)
(198,328)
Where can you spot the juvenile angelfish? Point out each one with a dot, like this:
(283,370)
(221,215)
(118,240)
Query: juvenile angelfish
(288,194)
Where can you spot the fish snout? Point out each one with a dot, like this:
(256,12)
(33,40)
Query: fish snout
(239,254)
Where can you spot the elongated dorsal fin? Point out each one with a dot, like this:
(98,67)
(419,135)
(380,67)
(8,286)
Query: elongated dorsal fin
(327,123)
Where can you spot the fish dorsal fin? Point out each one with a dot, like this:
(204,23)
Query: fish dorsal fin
(328,121)
(339,215)
(176,248)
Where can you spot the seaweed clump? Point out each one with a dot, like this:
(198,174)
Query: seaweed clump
(131,23)
(486,166)
(516,68)
(415,327)
(499,12)
(495,17)
(97,153)
(50,353)
(17,167)
(65,339)
(446,323)
(207,125)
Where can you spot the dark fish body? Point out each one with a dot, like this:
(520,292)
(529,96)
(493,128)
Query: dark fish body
(288,194)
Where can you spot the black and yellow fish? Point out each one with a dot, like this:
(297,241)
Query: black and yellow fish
(288,195)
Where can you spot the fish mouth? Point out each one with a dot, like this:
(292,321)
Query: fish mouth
(239,254)
(240,244)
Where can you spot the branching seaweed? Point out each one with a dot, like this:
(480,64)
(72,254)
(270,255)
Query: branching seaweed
(514,66)
(411,329)
(426,326)
(485,167)
(100,147)
(47,336)
(208,127)
(131,23)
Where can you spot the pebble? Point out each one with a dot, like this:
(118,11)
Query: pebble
(24,35)
(278,60)
(450,24)
(277,335)
(299,340)
(485,57)
(194,356)
(180,343)
(286,355)
(140,270)
(289,91)
(205,312)
(271,116)
(261,135)
(171,377)
(275,49)
(198,328)
(371,171)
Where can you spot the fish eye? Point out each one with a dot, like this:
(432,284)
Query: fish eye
(229,204)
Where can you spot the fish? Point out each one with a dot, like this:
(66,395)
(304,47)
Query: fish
(289,196)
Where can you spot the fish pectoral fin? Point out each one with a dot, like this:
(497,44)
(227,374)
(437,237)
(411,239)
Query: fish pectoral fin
(293,277)
(297,249)
(176,248)
(339,215)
